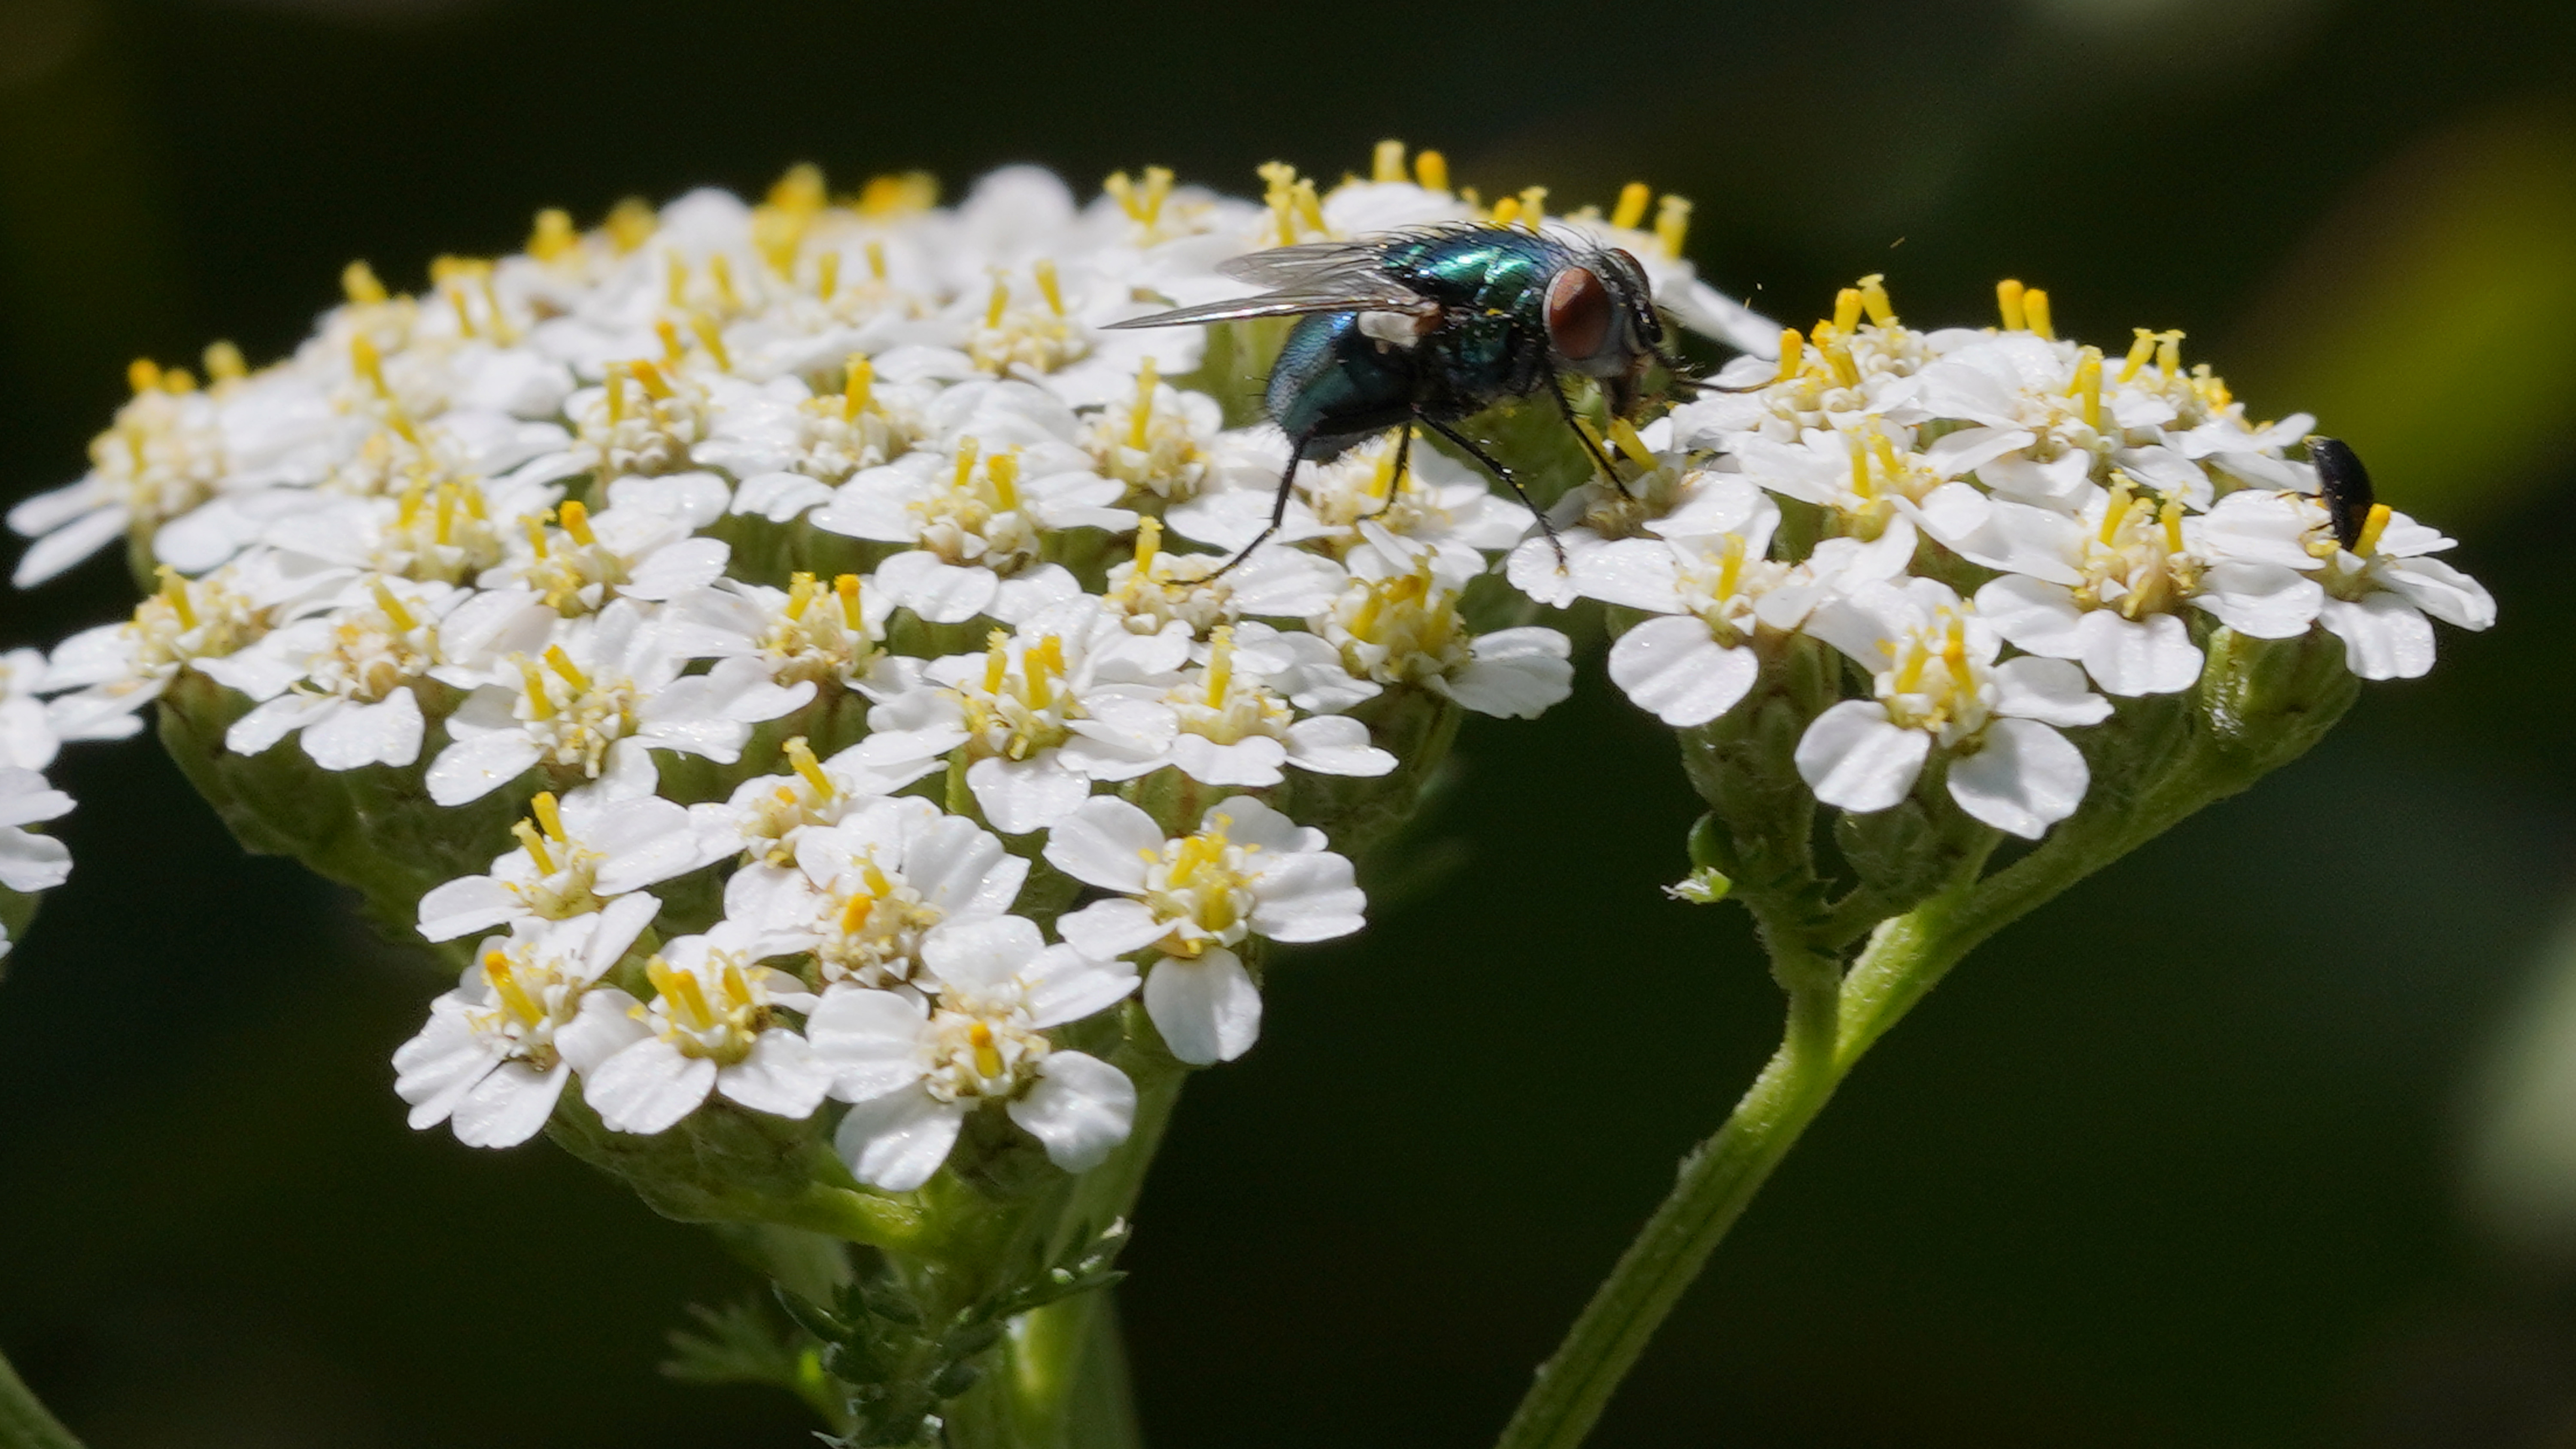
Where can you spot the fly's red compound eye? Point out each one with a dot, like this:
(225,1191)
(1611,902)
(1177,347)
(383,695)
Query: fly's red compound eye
(1578,314)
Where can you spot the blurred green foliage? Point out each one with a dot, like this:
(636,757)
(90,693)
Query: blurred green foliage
(2175,1161)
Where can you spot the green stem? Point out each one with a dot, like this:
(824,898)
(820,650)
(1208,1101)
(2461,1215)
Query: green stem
(24,1423)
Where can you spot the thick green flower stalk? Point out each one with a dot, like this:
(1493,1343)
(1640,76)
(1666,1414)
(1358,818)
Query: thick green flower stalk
(810,677)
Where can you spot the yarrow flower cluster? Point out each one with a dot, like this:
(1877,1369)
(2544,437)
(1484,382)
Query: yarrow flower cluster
(802,663)
(830,596)
(2004,533)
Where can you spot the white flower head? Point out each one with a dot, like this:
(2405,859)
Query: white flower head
(713,1026)
(496,1051)
(342,677)
(863,892)
(913,1066)
(608,682)
(119,668)
(575,856)
(1246,871)
(1398,623)
(1070,698)
(1936,682)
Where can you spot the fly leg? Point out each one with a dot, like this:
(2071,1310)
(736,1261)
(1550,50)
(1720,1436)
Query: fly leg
(1600,459)
(1278,506)
(1467,446)
(1395,480)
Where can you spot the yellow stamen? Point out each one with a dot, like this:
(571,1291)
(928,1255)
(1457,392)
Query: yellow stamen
(1220,665)
(174,592)
(178,382)
(393,608)
(553,236)
(853,617)
(675,278)
(576,521)
(1672,223)
(902,194)
(1533,206)
(688,1000)
(876,260)
(444,523)
(711,338)
(1633,200)
(1002,470)
(1837,354)
(1873,299)
(613,385)
(2008,300)
(1954,652)
(1388,162)
(1846,311)
(1149,542)
(650,378)
(224,363)
(800,595)
(1507,211)
(1043,659)
(827,275)
(966,451)
(800,755)
(358,281)
(2169,353)
(736,983)
(631,223)
(988,1057)
(539,703)
(1793,350)
(368,363)
(1431,171)
(549,812)
(858,385)
(535,844)
(2034,306)
(505,985)
(1859,467)
(1001,301)
(1048,286)
(2171,518)
(562,664)
(2088,384)
(674,351)
(413,495)
(2116,512)
(2140,350)
(143,375)
(1140,418)
(493,320)
(2371,528)
(997,660)
(855,912)
(720,272)
(535,524)
(1730,569)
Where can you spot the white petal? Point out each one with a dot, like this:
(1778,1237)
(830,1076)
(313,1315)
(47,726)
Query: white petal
(2261,600)
(780,1076)
(1081,1108)
(1336,745)
(648,1087)
(2033,614)
(470,769)
(870,1040)
(2049,690)
(2384,636)
(434,1070)
(1019,796)
(2130,657)
(256,731)
(940,592)
(2025,778)
(1111,928)
(1105,842)
(1676,672)
(384,733)
(982,952)
(604,1026)
(1855,757)
(1309,896)
(509,1106)
(1251,763)
(895,1142)
(471,903)
(1208,1010)
(31,863)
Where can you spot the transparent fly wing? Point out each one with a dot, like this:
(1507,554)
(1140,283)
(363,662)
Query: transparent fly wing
(1344,276)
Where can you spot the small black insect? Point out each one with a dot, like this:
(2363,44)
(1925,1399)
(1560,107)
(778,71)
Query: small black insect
(1432,325)
(2343,485)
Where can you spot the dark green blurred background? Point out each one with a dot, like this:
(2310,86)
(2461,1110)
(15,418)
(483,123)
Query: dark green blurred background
(2268,1137)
